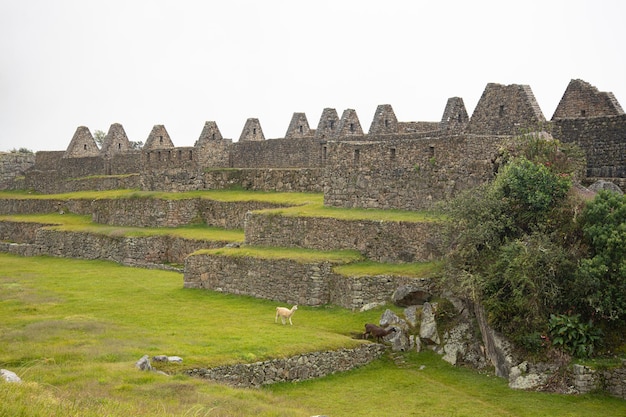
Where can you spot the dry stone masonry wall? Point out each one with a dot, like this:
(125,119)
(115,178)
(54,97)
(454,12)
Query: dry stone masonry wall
(382,241)
(293,369)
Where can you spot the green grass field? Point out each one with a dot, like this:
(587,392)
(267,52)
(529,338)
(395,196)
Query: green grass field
(73,330)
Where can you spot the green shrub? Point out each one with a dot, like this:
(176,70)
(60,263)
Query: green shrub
(573,336)
(600,284)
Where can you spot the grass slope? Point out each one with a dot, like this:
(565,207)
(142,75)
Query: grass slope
(73,329)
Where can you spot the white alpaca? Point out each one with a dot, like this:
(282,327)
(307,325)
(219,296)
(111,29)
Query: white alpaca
(285,313)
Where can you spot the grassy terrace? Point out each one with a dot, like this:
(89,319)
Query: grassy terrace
(301,204)
(76,223)
(73,329)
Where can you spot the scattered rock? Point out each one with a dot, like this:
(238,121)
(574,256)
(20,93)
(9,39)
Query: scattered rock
(520,377)
(175,359)
(371,306)
(9,376)
(144,363)
(428,326)
(410,314)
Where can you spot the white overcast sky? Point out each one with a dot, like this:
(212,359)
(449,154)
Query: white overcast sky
(67,63)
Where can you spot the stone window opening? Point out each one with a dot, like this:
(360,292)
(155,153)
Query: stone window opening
(357,155)
(160,139)
(386,123)
(180,154)
(459,118)
(583,113)
(431,151)
(332,124)
(501,112)
(213,136)
(392,154)
(119,146)
(324,153)
(158,155)
(301,129)
(85,147)
(148,156)
(254,132)
(190,155)
(351,127)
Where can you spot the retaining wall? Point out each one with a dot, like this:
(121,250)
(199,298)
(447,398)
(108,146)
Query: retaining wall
(288,281)
(377,240)
(154,212)
(612,381)
(44,206)
(276,279)
(133,251)
(293,369)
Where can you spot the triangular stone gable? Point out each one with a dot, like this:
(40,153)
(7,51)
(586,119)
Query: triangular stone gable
(298,127)
(158,139)
(252,131)
(349,124)
(506,110)
(384,121)
(328,125)
(210,132)
(115,140)
(455,116)
(581,99)
(82,144)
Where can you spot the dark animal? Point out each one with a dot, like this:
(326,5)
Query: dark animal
(377,332)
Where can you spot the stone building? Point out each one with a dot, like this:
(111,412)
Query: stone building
(396,164)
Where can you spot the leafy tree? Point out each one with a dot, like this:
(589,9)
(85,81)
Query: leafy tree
(136,144)
(600,282)
(22,150)
(505,250)
(98,136)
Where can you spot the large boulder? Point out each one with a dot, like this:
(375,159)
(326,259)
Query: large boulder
(414,294)
(428,326)
(400,338)
(605,185)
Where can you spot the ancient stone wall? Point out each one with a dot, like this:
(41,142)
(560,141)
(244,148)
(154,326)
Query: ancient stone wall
(304,180)
(292,369)
(612,381)
(276,153)
(133,251)
(12,165)
(153,212)
(43,206)
(19,232)
(47,182)
(407,174)
(377,240)
(354,292)
(505,110)
(581,99)
(282,280)
(602,138)
(287,281)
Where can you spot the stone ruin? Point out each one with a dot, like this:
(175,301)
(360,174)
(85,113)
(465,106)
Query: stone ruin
(407,165)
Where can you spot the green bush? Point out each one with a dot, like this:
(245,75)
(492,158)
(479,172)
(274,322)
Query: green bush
(600,285)
(573,336)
